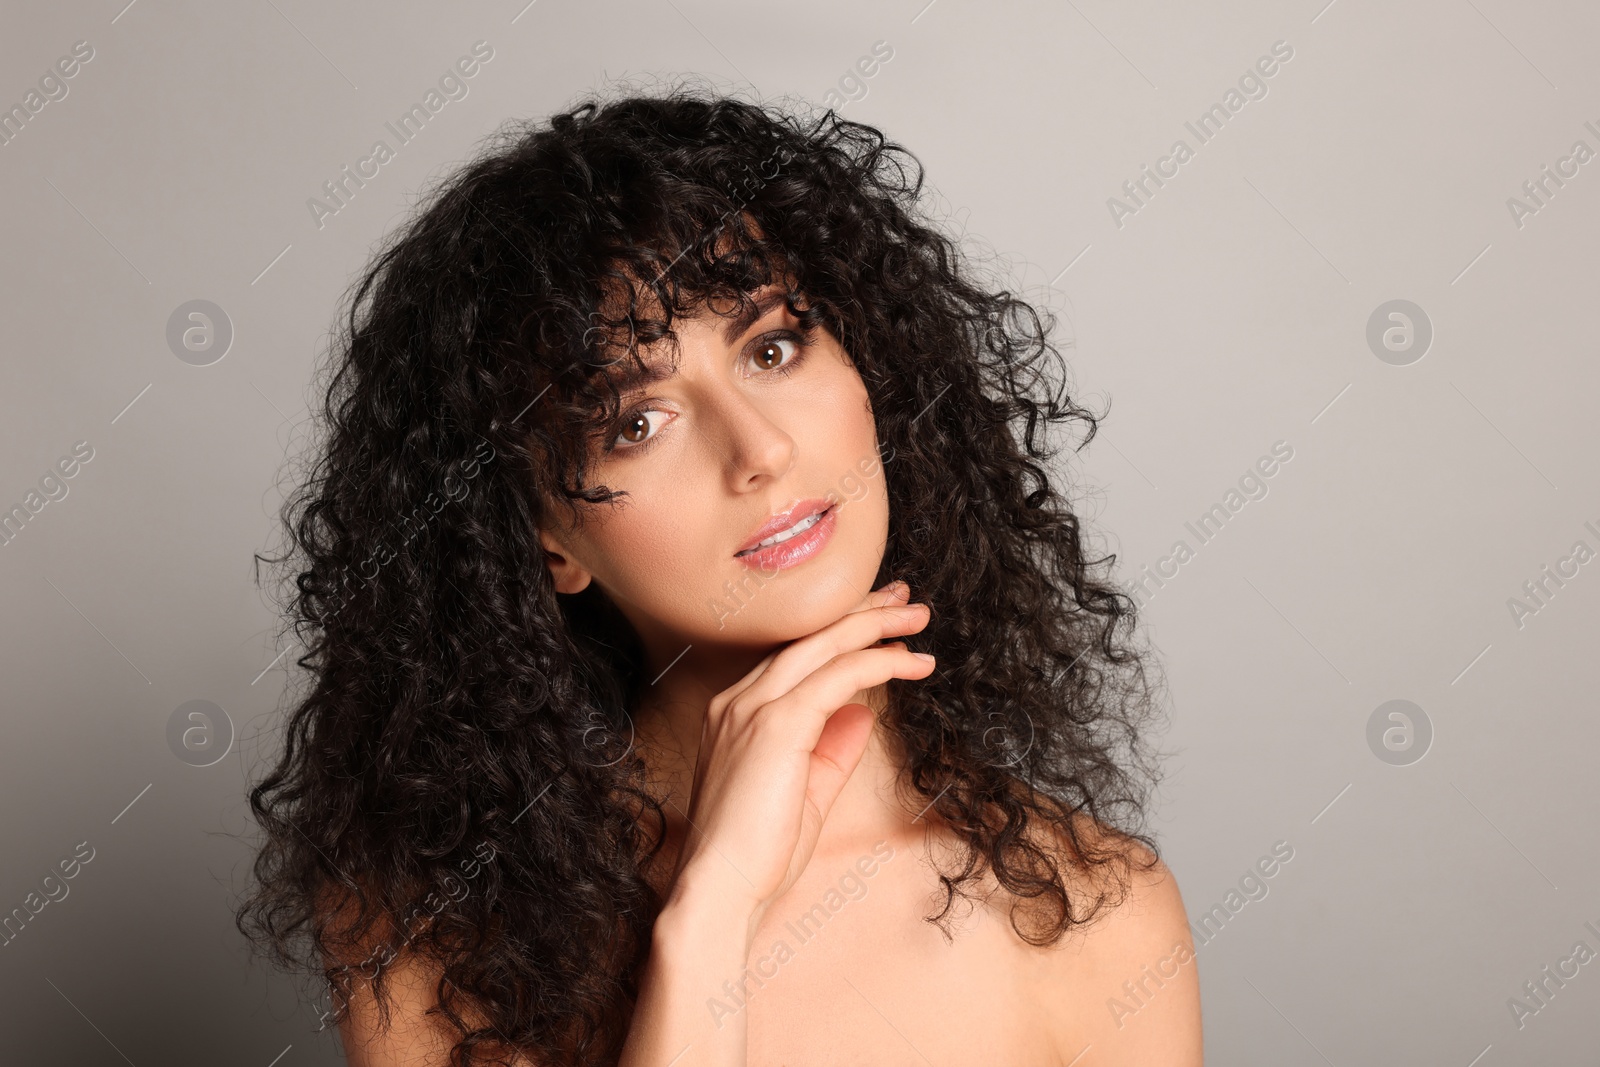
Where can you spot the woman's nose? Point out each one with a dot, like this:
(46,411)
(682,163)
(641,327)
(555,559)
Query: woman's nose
(757,446)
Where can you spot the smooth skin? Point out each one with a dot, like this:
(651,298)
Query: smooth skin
(760,734)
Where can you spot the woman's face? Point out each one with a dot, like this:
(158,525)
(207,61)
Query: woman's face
(754,423)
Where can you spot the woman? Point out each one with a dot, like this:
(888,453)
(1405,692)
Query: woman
(704,668)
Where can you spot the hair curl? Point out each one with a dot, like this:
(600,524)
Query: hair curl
(447,745)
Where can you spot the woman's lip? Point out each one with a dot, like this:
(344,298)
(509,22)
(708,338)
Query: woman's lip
(797,549)
(779,523)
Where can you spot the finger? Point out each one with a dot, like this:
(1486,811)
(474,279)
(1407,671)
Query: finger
(888,594)
(895,592)
(807,707)
(839,750)
(854,631)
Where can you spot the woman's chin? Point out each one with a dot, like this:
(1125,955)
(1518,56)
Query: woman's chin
(780,610)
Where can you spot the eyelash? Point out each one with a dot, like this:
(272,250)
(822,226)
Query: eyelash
(788,367)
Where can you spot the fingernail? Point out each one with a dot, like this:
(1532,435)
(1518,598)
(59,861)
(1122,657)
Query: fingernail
(900,588)
(923,655)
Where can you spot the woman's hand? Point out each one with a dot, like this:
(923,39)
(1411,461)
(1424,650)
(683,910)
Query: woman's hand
(778,746)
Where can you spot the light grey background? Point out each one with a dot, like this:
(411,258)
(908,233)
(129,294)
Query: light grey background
(1230,312)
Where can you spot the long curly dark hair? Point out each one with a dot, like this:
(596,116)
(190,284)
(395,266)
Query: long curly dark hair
(458,778)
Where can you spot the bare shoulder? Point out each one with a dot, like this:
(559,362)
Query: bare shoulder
(1125,989)
(407,1028)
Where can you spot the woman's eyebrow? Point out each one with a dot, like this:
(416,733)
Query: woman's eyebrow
(632,378)
(749,313)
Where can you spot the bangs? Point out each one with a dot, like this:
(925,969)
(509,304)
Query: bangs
(730,270)
(645,285)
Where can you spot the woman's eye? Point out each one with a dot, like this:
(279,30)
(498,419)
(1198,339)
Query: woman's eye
(770,354)
(779,353)
(636,429)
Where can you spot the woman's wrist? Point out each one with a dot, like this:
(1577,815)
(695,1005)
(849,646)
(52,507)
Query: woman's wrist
(700,901)
(700,946)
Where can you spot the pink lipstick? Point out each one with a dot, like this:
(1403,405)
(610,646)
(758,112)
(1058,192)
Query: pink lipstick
(788,538)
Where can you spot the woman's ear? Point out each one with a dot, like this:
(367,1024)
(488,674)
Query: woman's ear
(570,576)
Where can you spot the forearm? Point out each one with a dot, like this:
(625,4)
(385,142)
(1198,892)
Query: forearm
(684,1016)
